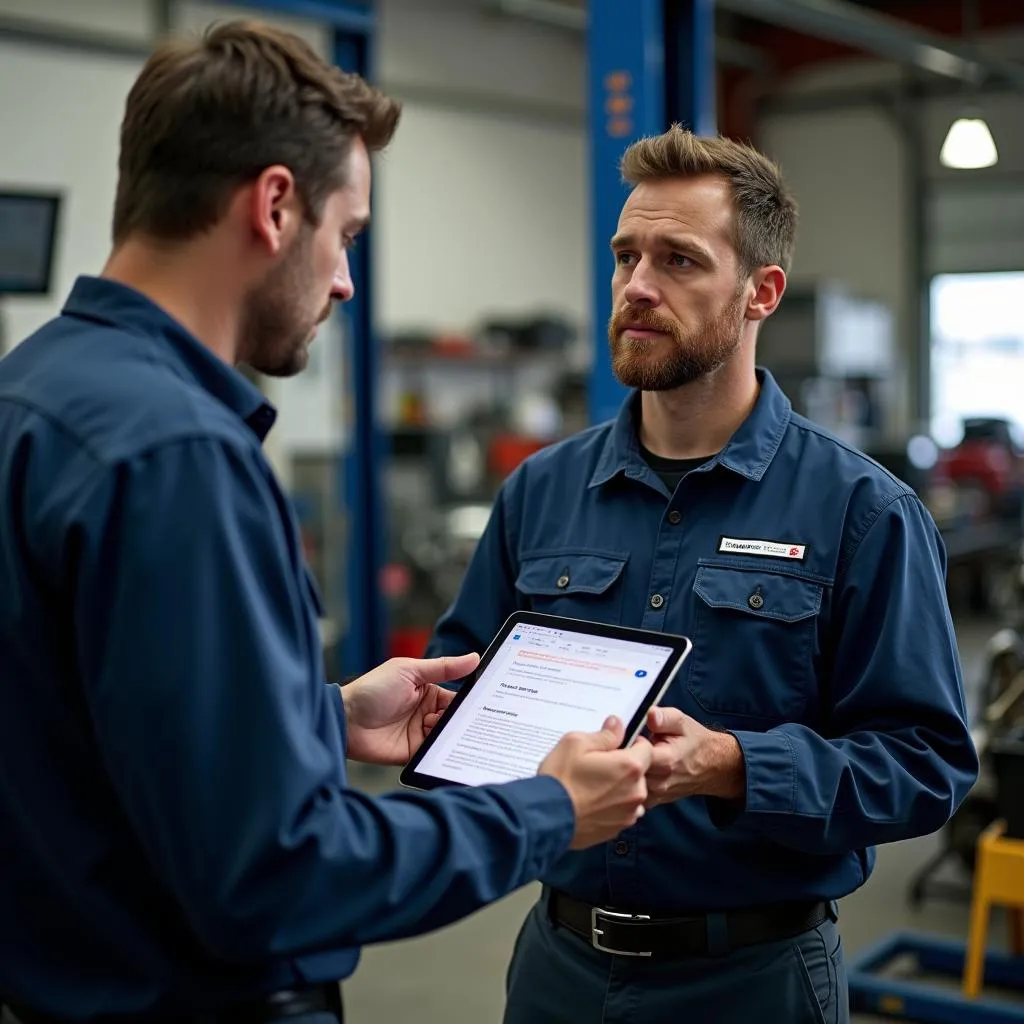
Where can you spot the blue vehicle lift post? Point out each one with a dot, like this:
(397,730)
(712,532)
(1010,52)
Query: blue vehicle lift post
(652,63)
(358,487)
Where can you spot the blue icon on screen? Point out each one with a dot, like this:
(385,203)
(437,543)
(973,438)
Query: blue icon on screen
(640,673)
(516,636)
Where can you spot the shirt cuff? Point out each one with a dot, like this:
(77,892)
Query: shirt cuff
(545,808)
(334,699)
(770,765)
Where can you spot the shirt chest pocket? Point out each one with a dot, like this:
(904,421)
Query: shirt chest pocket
(755,633)
(578,584)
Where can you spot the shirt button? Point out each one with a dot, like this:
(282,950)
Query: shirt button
(563,582)
(657,600)
(622,848)
(675,517)
(756,601)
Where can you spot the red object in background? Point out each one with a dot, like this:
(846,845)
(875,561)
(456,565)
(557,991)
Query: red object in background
(395,580)
(408,643)
(453,345)
(509,450)
(988,460)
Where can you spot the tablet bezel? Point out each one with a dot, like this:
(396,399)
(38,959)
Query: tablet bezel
(681,648)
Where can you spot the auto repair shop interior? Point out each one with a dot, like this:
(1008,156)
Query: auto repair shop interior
(476,338)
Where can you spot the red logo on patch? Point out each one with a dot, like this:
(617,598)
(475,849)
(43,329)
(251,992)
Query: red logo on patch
(793,552)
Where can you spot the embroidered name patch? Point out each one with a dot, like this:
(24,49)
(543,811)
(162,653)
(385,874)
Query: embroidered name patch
(762,548)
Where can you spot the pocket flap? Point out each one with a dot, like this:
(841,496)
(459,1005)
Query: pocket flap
(766,594)
(569,573)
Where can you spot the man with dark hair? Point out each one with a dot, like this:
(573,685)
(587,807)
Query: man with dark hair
(179,840)
(822,709)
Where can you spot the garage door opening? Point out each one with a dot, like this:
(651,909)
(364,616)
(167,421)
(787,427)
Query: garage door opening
(977,327)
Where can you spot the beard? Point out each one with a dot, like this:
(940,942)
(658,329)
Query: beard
(680,358)
(277,326)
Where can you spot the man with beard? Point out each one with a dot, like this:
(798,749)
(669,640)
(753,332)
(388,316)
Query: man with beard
(822,709)
(179,840)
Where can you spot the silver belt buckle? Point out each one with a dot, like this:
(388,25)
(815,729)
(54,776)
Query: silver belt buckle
(596,913)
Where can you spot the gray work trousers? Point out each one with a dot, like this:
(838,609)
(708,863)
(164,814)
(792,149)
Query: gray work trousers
(556,977)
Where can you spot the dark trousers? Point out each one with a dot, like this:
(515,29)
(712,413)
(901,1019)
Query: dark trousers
(556,977)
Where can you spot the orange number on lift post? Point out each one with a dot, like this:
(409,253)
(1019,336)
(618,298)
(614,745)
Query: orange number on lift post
(618,104)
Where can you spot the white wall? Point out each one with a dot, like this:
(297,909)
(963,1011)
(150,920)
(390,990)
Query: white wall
(479,216)
(196,15)
(132,19)
(61,133)
(456,46)
(480,211)
(846,169)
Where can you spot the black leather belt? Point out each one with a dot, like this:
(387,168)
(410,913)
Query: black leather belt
(665,937)
(261,1010)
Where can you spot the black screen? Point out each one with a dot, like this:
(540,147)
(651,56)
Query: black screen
(28,226)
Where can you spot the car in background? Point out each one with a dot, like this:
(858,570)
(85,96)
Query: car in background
(985,470)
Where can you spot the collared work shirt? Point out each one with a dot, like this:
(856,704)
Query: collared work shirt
(811,582)
(175,826)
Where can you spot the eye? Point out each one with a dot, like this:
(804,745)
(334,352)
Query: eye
(623,259)
(677,259)
(348,241)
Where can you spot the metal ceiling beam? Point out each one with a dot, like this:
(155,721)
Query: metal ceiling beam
(882,35)
(728,52)
(104,44)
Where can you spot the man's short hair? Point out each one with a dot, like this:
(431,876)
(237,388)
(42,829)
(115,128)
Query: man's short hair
(208,114)
(766,212)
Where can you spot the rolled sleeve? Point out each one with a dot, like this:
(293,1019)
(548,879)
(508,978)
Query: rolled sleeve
(200,665)
(894,758)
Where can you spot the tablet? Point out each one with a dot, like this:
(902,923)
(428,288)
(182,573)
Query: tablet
(541,677)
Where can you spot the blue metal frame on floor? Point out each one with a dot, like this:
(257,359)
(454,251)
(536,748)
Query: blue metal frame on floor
(363,629)
(651,64)
(906,999)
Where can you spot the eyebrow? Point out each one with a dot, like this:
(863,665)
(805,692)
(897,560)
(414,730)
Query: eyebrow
(676,242)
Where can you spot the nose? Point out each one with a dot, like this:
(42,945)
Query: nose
(342,288)
(641,289)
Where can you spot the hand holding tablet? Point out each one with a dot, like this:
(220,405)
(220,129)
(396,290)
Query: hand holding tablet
(544,676)
(607,784)
(539,703)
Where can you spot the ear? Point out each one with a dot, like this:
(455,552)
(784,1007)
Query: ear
(769,285)
(275,210)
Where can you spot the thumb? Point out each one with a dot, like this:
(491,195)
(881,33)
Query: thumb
(666,722)
(611,735)
(643,752)
(446,669)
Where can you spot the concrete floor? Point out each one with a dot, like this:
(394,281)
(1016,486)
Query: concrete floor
(457,974)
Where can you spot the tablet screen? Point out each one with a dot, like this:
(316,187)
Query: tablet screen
(541,683)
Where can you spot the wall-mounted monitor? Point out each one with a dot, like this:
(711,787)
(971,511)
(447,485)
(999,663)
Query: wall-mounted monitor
(28,235)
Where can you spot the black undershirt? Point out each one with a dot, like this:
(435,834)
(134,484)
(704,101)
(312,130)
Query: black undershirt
(671,471)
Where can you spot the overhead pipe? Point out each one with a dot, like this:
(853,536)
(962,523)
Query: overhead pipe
(728,52)
(844,22)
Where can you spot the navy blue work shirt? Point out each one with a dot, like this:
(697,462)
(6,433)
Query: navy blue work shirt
(811,583)
(175,825)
